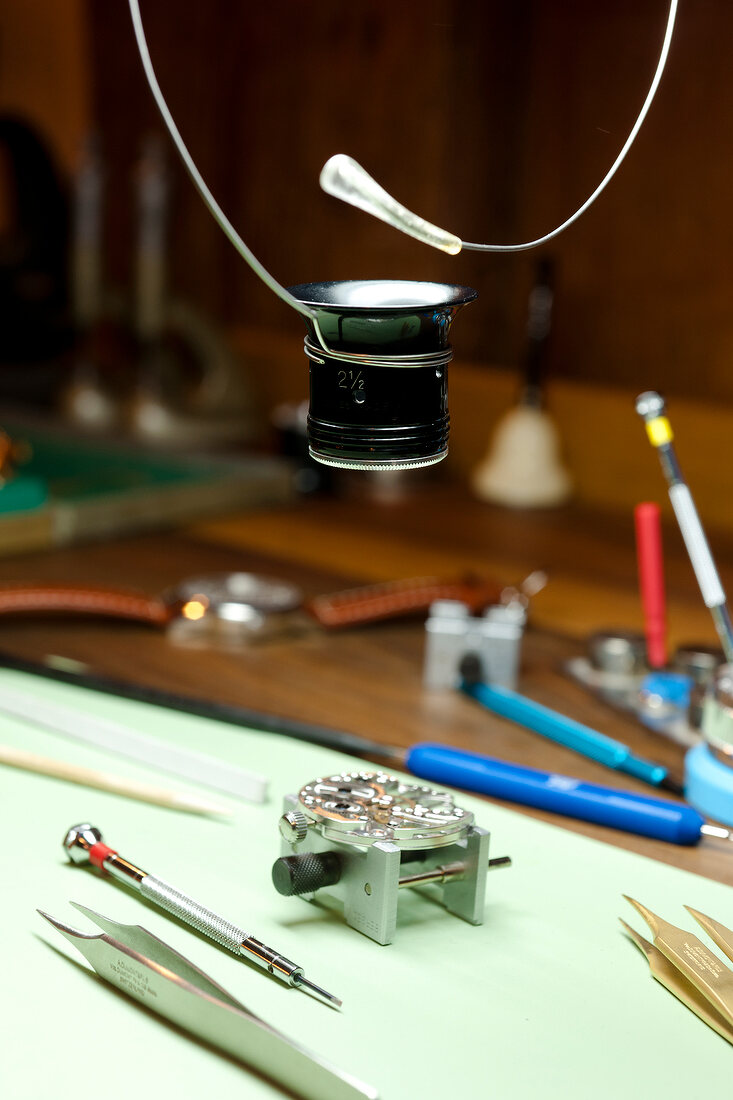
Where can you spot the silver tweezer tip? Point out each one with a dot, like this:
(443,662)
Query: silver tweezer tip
(302,982)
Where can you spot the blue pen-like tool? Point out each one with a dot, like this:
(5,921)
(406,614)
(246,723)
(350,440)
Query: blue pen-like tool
(565,731)
(632,813)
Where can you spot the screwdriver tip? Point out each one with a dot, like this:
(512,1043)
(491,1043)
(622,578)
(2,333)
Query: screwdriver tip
(304,983)
(717,831)
(669,783)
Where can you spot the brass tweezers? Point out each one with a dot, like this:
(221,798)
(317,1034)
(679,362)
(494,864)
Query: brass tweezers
(687,968)
(147,969)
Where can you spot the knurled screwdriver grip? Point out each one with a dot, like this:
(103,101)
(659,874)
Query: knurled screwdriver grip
(189,911)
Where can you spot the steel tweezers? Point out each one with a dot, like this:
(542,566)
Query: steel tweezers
(151,972)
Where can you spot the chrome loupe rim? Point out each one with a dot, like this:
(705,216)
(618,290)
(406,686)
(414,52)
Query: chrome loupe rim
(382,295)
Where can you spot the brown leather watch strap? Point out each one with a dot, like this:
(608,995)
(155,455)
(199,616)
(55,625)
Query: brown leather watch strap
(392,599)
(73,599)
(370,603)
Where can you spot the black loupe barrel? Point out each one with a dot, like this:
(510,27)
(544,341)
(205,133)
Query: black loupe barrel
(379,396)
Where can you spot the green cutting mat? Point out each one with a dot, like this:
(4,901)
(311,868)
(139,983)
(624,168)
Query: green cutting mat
(73,489)
(546,999)
(76,470)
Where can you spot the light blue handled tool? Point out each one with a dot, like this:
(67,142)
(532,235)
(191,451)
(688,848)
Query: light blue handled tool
(566,731)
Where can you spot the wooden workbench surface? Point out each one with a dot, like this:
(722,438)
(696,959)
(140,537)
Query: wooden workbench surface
(368,680)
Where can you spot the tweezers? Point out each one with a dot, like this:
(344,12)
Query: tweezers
(688,969)
(151,972)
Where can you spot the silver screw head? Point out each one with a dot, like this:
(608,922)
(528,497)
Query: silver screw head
(78,841)
(293,826)
(650,404)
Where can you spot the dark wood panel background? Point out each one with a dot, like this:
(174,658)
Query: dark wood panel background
(494,119)
(422,93)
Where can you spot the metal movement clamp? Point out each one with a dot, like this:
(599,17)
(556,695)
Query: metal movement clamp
(354,840)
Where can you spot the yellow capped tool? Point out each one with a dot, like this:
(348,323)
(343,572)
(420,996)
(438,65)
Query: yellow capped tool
(687,968)
(651,407)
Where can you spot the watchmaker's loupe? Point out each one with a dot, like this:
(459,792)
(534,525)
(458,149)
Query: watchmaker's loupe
(378,349)
(378,395)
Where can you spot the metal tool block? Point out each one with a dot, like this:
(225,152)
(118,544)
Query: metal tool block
(452,633)
(352,841)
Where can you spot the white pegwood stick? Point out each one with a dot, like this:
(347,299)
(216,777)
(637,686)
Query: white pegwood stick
(103,781)
(102,733)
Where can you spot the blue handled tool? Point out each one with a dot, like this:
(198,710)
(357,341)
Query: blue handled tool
(618,809)
(566,731)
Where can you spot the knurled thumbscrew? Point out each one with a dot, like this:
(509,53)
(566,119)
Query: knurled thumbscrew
(293,826)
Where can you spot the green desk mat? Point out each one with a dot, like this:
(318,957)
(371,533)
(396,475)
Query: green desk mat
(548,998)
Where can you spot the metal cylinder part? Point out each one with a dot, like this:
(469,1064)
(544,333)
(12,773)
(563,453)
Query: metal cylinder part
(717,719)
(618,652)
(700,664)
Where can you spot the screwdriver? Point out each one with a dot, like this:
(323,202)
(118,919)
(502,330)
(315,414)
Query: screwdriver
(644,815)
(481,774)
(83,844)
(565,731)
(651,407)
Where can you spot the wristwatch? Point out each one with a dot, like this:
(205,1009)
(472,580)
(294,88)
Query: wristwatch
(246,605)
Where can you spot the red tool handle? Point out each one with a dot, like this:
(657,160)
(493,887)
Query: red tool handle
(651,581)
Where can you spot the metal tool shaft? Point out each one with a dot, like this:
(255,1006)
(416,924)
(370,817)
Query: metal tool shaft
(204,920)
(83,843)
(651,408)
